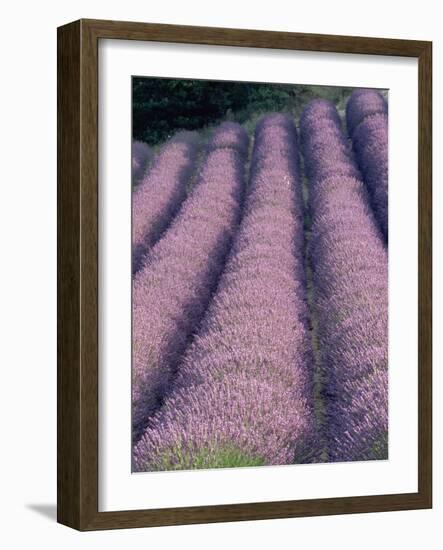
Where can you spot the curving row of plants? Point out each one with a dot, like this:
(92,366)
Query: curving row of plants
(243,393)
(159,195)
(367,120)
(174,283)
(349,262)
(361,104)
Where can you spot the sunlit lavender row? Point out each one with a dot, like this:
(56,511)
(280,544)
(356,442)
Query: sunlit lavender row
(158,196)
(349,262)
(141,156)
(370,142)
(177,276)
(243,393)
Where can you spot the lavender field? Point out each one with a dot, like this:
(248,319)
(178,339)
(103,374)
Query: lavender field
(260,289)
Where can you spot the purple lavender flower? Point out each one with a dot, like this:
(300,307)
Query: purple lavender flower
(157,198)
(141,155)
(174,284)
(243,393)
(350,276)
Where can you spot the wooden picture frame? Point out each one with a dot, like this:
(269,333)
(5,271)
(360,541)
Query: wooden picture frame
(77,456)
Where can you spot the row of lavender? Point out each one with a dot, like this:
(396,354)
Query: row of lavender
(367,121)
(175,279)
(243,393)
(349,263)
(160,192)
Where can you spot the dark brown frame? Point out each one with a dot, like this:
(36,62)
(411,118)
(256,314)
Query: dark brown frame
(77,456)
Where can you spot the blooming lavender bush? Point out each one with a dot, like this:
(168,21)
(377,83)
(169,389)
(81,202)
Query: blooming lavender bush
(350,275)
(370,140)
(173,286)
(141,155)
(361,104)
(156,200)
(243,393)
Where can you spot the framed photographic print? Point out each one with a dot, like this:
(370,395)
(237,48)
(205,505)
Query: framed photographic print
(244,274)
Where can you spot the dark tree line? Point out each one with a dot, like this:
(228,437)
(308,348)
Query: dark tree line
(162,106)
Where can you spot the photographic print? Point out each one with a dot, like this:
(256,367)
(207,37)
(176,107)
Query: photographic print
(259,274)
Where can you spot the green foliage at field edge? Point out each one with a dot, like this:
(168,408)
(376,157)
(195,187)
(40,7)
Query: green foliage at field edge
(163,106)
